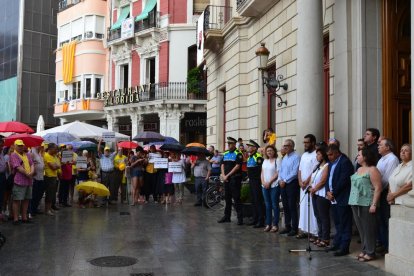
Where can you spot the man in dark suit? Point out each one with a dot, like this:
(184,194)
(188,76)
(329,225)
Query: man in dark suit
(338,188)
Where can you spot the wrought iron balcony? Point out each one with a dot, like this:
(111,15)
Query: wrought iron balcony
(153,21)
(173,91)
(215,18)
(65,4)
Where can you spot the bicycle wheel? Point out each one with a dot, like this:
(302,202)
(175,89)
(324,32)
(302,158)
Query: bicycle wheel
(214,198)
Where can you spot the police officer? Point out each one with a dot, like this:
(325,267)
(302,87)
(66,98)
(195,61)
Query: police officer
(231,175)
(254,170)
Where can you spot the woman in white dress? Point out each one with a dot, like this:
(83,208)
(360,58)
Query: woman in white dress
(400,180)
(179,178)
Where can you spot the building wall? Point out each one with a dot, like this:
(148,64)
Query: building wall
(38,69)
(9,39)
(181,37)
(179,11)
(136,69)
(163,62)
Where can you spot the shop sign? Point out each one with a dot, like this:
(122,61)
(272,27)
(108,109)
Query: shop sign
(194,121)
(123,95)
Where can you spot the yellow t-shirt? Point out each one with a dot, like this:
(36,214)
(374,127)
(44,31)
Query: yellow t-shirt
(272,139)
(118,160)
(50,159)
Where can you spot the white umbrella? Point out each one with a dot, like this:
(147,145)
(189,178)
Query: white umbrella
(40,124)
(82,130)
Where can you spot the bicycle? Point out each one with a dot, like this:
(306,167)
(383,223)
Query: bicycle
(215,194)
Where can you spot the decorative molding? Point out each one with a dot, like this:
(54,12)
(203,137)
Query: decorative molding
(121,54)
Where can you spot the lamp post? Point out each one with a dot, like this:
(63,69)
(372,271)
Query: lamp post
(271,82)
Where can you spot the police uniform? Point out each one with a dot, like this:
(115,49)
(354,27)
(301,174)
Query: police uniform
(232,187)
(254,170)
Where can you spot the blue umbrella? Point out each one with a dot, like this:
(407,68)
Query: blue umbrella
(168,140)
(59,137)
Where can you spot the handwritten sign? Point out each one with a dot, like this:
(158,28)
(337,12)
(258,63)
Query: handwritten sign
(108,136)
(152,156)
(82,162)
(175,167)
(67,156)
(161,163)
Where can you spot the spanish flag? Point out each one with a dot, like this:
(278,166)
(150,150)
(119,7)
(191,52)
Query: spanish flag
(68,52)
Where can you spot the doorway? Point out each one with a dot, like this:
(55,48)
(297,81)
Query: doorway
(397,71)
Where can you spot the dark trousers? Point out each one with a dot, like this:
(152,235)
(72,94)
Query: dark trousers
(116,184)
(257,200)
(232,191)
(290,197)
(200,187)
(107,178)
(39,189)
(343,224)
(321,209)
(3,183)
(150,183)
(383,216)
(64,191)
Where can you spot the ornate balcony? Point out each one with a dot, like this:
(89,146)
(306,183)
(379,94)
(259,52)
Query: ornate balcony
(254,8)
(92,109)
(215,18)
(141,27)
(164,91)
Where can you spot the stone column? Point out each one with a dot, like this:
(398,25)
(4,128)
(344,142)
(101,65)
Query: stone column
(400,259)
(309,94)
(137,123)
(112,123)
(170,123)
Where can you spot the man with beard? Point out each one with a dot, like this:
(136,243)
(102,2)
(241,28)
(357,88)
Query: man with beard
(307,164)
(231,176)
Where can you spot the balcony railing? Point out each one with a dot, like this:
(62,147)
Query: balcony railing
(79,105)
(153,92)
(152,21)
(65,4)
(215,17)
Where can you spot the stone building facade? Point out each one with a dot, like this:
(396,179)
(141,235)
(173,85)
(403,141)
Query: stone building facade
(347,67)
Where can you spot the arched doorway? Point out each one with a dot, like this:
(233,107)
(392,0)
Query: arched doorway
(397,71)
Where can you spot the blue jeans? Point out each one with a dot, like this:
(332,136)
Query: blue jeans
(271,198)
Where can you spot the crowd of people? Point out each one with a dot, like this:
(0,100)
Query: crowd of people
(319,185)
(315,187)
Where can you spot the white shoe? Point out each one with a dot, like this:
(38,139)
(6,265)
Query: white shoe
(50,213)
(30,216)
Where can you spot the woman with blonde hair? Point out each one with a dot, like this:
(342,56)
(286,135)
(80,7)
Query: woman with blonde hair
(270,188)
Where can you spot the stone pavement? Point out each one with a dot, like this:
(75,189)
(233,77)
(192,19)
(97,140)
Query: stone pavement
(165,240)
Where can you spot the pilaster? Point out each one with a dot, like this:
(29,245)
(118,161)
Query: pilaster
(310,69)
(170,123)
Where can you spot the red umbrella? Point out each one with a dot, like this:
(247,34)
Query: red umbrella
(28,139)
(16,127)
(127,145)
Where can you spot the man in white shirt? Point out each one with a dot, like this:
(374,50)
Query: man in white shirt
(307,164)
(386,166)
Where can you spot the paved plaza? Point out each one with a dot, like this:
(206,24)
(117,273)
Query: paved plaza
(165,240)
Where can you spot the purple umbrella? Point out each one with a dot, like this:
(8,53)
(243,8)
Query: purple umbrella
(148,136)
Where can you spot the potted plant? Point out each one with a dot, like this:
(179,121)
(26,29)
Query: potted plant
(194,76)
(246,200)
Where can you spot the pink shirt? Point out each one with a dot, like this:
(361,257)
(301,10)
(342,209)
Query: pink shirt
(19,178)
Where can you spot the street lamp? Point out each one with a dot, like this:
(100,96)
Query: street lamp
(271,82)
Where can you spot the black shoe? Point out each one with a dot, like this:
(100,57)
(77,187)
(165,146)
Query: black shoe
(341,252)
(67,205)
(37,212)
(251,223)
(197,204)
(292,233)
(55,208)
(258,225)
(16,222)
(224,219)
(240,222)
(285,231)
(28,221)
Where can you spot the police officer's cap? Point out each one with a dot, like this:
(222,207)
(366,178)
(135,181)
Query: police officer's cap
(231,140)
(253,144)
